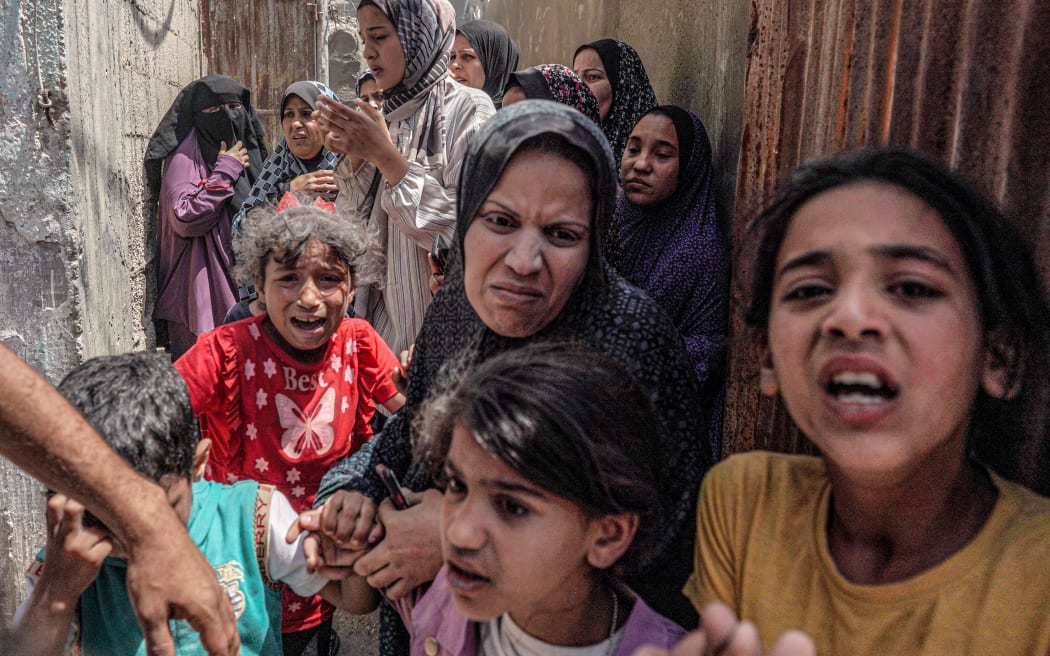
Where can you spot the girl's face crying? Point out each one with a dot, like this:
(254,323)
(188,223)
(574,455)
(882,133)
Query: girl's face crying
(306,300)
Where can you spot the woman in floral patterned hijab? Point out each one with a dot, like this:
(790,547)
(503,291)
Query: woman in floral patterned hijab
(552,82)
(614,72)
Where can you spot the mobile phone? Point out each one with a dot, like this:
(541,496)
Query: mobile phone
(397,497)
(440,254)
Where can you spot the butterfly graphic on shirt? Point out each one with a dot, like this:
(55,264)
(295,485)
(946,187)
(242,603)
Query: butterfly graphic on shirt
(302,431)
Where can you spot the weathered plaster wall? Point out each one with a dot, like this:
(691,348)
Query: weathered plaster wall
(127,60)
(73,249)
(38,313)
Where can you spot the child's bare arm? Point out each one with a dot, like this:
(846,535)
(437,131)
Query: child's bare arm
(345,589)
(394,403)
(74,556)
(337,539)
(352,594)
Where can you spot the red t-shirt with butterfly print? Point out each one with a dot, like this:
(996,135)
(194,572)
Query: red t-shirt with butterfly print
(276,420)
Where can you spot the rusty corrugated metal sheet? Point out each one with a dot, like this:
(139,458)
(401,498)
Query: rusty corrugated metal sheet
(265,45)
(965,81)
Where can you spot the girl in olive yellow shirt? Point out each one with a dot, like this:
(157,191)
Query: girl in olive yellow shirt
(904,332)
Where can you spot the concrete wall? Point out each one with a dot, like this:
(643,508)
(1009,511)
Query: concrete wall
(38,309)
(73,245)
(126,63)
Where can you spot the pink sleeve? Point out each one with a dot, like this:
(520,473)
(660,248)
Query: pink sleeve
(376,362)
(210,371)
(197,201)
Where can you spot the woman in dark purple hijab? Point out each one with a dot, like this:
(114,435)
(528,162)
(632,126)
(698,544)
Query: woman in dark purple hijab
(666,239)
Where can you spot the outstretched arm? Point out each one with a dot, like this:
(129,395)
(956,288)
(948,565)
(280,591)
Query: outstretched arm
(41,433)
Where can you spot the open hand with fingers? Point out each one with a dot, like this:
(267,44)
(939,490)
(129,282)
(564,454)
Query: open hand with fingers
(74,556)
(409,554)
(75,552)
(320,182)
(322,553)
(341,530)
(722,634)
(359,131)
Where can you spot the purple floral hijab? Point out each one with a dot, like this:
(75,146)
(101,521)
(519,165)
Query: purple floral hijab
(558,83)
(632,95)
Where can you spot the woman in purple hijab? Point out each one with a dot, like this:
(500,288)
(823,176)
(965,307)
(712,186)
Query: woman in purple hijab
(666,239)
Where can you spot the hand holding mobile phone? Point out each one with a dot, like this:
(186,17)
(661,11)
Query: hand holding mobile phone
(393,486)
(440,254)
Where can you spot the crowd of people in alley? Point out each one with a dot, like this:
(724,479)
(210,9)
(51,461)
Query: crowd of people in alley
(456,349)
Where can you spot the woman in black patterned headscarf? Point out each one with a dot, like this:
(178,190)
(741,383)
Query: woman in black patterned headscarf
(299,154)
(600,311)
(614,72)
(552,82)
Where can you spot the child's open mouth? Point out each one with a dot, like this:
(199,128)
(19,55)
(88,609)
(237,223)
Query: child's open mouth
(464,580)
(308,325)
(860,387)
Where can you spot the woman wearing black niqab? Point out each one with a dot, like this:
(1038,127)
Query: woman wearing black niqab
(200,164)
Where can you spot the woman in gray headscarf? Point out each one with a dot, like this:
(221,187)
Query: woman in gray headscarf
(483,57)
(522,273)
(404,180)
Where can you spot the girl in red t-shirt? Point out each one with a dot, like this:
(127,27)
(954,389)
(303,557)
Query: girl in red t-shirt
(286,394)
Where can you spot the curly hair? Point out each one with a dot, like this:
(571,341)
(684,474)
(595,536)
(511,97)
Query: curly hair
(267,233)
(569,420)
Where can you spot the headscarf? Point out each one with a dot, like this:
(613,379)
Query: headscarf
(419,121)
(496,50)
(632,95)
(229,125)
(676,252)
(604,313)
(365,76)
(560,84)
(283,166)
(425,29)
